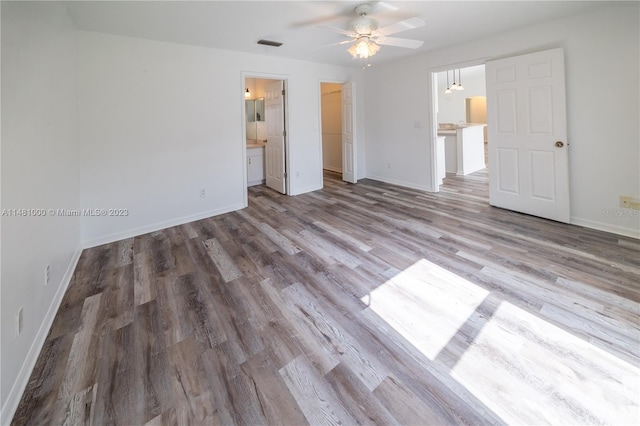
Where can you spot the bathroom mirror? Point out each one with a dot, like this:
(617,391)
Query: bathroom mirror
(259,107)
(255,109)
(255,119)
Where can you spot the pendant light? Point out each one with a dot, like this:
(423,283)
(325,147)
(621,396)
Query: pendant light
(454,86)
(446,92)
(459,80)
(247,93)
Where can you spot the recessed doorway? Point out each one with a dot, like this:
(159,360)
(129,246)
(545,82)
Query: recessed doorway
(331,127)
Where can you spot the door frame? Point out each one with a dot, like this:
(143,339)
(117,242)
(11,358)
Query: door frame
(320,81)
(243,127)
(432,94)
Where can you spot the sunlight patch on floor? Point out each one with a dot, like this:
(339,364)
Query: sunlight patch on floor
(426,304)
(527,370)
(523,368)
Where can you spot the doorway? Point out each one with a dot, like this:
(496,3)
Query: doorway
(264,130)
(527,134)
(338,131)
(331,127)
(461,117)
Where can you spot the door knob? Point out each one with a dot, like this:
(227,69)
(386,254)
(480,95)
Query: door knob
(559,144)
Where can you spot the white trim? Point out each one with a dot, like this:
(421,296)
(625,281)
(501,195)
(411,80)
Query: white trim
(20,384)
(158,226)
(399,183)
(600,226)
(243,127)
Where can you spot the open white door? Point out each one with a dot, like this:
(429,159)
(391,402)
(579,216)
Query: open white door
(274,151)
(348,133)
(526,118)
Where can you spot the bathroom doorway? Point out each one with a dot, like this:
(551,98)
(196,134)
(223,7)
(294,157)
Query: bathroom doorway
(265,135)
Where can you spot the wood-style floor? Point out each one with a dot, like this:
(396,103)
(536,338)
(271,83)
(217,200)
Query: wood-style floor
(356,304)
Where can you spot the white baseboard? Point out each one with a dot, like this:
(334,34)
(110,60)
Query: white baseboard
(400,183)
(618,230)
(13,399)
(158,226)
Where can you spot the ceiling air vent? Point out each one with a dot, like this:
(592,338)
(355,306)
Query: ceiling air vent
(270,43)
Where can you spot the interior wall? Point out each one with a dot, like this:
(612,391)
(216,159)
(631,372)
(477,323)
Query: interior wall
(40,171)
(161,121)
(331,105)
(602,118)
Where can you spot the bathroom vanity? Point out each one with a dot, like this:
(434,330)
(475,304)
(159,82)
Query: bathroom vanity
(255,162)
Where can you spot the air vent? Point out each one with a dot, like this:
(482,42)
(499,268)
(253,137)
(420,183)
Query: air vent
(270,43)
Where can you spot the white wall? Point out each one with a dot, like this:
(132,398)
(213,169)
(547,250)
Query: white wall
(331,99)
(160,121)
(40,169)
(603,131)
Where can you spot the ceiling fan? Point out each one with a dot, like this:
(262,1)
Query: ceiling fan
(367,37)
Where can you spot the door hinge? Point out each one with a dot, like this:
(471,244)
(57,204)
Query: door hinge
(284,133)
(283,92)
(285,175)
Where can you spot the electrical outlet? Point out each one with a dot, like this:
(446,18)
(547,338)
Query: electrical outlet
(19,321)
(47,274)
(203,193)
(629,202)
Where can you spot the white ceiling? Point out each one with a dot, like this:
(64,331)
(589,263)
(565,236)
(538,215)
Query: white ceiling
(238,25)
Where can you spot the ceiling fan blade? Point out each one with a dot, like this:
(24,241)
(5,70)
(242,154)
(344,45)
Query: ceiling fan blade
(399,42)
(383,5)
(407,24)
(340,30)
(336,44)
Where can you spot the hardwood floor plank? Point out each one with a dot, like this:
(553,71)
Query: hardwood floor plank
(78,366)
(318,402)
(337,340)
(222,260)
(403,405)
(80,408)
(276,402)
(193,399)
(357,399)
(143,290)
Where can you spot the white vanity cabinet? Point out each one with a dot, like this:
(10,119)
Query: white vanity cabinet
(255,166)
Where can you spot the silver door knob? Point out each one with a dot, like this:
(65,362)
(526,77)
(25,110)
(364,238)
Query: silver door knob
(559,144)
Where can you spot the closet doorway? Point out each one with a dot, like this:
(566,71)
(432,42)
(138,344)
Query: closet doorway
(331,127)
(337,129)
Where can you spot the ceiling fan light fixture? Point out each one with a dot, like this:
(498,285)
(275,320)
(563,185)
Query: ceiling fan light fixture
(363,48)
